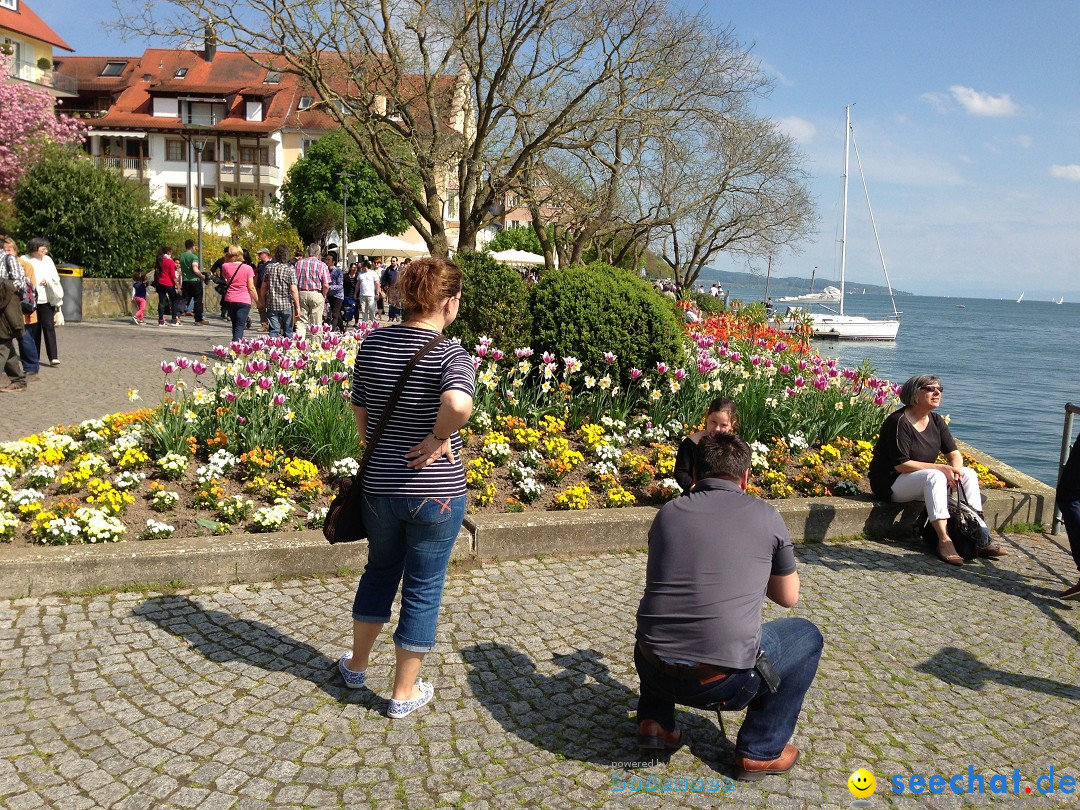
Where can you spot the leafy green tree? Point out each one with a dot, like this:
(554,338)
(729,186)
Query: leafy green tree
(516,239)
(312,193)
(91,216)
(233,210)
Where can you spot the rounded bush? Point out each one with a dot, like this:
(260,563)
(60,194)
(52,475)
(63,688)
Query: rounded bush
(586,311)
(494,303)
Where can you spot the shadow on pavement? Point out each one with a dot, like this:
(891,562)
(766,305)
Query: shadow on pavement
(580,713)
(984,573)
(222,637)
(960,668)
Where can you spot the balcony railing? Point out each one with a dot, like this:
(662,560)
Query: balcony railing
(247,171)
(29,72)
(122,163)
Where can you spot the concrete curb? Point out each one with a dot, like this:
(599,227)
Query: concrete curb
(202,561)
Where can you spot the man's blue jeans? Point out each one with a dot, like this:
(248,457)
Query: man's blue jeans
(409,542)
(792,645)
(280,322)
(28,352)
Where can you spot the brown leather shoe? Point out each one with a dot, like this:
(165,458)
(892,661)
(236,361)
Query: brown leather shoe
(751,770)
(652,736)
(991,551)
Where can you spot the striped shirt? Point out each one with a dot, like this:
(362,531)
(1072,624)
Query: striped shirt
(381,359)
(312,274)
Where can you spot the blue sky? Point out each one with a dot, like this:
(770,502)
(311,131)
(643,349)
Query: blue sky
(966,115)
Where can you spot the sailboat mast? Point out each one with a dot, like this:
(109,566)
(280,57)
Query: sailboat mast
(843,227)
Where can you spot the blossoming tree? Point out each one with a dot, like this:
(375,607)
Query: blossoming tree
(27,122)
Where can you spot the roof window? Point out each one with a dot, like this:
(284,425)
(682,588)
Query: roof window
(305,103)
(272,77)
(180,73)
(113,68)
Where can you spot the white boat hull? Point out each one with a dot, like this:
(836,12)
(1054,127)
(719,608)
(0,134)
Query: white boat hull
(847,327)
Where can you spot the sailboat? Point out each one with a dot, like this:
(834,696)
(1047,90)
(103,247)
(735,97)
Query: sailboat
(1060,300)
(1021,298)
(835,323)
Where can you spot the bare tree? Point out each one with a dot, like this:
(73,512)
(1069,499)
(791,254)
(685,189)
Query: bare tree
(478,90)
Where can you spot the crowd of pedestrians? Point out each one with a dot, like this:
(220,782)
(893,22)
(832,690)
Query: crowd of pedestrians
(290,292)
(30,309)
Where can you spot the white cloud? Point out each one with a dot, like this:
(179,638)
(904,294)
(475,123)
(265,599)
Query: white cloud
(1070,172)
(983,104)
(798,129)
(939,101)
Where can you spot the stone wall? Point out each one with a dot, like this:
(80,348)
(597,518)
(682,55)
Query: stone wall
(105,298)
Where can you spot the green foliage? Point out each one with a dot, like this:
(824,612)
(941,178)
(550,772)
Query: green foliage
(91,216)
(233,209)
(494,303)
(516,239)
(586,311)
(707,303)
(267,230)
(312,193)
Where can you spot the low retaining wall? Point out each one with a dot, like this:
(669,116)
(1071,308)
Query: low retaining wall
(111,298)
(241,558)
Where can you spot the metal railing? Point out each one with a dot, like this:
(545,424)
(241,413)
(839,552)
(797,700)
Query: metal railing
(134,164)
(46,77)
(247,170)
(1066,443)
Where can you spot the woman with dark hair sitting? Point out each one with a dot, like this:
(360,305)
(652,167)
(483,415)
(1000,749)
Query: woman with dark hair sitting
(414,481)
(905,468)
(720,417)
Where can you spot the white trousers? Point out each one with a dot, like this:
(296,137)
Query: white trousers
(931,487)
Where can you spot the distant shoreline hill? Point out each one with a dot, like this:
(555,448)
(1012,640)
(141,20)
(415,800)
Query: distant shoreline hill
(751,287)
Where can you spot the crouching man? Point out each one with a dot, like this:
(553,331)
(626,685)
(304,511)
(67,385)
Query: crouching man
(714,556)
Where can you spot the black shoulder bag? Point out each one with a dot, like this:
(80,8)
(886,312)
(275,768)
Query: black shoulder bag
(344,521)
(965,527)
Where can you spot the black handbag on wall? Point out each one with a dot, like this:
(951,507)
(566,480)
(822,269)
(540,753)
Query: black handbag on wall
(966,528)
(344,521)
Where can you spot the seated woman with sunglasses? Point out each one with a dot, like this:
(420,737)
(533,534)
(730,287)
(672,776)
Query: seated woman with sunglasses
(904,467)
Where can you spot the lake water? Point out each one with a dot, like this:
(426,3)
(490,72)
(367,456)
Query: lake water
(1007,368)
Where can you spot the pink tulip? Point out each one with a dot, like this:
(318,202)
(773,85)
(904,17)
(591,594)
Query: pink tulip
(279,399)
(785,369)
(230,396)
(198,368)
(170,387)
(168,367)
(547,357)
(283,378)
(266,383)
(242,381)
(680,374)
(609,357)
(661,367)
(182,362)
(635,373)
(497,354)
(523,352)
(220,352)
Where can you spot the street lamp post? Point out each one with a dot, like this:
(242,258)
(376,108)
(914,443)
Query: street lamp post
(343,260)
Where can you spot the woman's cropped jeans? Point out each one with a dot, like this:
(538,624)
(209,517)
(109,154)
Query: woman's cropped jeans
(409,542)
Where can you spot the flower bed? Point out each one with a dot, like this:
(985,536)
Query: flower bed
(254,438)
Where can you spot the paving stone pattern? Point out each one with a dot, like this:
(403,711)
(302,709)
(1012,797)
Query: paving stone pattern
(100,361)
(228,698)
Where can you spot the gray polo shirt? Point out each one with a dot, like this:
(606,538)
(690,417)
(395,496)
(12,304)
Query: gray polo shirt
(711,554)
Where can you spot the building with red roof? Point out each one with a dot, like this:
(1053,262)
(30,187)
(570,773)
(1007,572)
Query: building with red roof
(26,45)
(183,120)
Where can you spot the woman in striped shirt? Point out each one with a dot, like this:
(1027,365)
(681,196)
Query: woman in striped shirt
(414,482)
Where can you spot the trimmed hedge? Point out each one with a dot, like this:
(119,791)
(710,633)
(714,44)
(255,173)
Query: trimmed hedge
(494,303)
(587,311)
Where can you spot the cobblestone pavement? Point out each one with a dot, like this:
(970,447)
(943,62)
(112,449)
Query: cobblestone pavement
(228,698)
(100,362)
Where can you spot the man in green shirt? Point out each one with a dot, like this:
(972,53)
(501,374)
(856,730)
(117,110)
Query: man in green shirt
(191,278)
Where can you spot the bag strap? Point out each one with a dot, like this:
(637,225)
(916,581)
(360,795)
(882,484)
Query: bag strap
(388,410)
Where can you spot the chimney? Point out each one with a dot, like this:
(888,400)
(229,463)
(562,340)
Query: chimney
(209,43)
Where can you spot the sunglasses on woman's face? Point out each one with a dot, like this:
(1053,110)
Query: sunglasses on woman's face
(933,389)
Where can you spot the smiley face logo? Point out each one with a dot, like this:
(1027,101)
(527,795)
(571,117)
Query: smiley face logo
(862,784)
